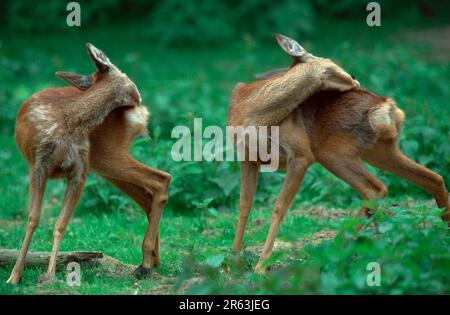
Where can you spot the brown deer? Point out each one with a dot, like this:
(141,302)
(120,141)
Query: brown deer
(65,132)
(336,129)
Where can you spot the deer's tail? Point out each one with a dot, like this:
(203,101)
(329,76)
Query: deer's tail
(386,119)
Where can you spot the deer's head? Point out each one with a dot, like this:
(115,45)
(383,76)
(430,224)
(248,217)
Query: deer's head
(108,79)
(335,76)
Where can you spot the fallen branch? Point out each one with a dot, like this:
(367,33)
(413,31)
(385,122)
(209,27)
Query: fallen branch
(39,259)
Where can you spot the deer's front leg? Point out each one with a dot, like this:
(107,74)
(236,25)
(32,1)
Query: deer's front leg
(295,172)
(249,179)
(38,180)
(75,186)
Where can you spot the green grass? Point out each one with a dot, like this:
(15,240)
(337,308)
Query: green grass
(197,227)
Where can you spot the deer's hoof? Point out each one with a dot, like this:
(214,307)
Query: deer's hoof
(142,272)
(259,269)
(14,279)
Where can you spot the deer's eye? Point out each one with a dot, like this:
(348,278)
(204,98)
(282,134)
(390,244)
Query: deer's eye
(353,77)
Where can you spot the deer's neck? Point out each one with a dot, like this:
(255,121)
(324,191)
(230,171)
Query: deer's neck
(89,110)
(273,100)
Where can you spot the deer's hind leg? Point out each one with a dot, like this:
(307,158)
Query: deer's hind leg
(147,187)
(38,180)
(249,179)
(351,170)
(388,157)
(144,200)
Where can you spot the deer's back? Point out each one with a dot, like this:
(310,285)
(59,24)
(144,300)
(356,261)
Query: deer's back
(349,121)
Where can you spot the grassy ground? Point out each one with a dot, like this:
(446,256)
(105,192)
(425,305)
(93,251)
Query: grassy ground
(119,234)
(198,225)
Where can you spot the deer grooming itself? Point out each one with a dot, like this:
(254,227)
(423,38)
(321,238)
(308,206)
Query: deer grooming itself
(336,129)
(65,132)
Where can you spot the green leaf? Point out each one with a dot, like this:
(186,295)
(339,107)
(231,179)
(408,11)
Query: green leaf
(215,261)
(383,227)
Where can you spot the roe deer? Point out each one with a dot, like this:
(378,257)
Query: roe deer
(337,130)
(67,131)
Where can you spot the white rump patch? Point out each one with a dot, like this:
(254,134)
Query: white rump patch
(381,119)
(138,116)
(137,119)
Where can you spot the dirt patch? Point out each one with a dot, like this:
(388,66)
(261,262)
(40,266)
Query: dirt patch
(167,288)
(114,267)
(6,224)
(108,266)
(211,233)
(189,283)
(59,287)
(314,239)
(321,236)
(323,213)
(329,213)
(161,289)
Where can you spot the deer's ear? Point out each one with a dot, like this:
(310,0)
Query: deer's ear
(290,46)
(271,73)
(99,58)
(82,82)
